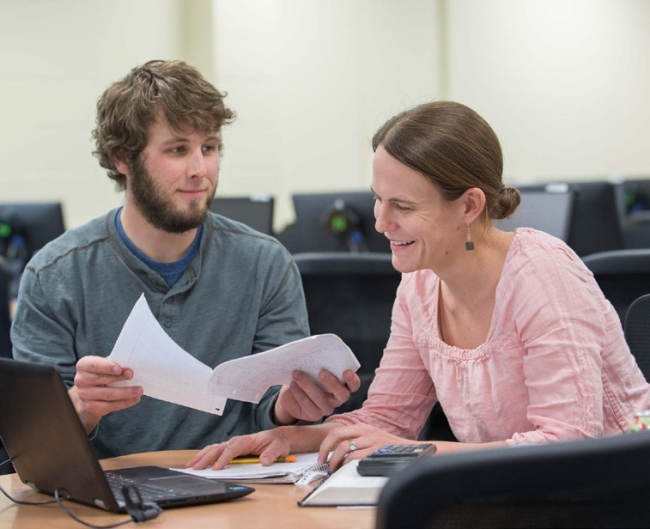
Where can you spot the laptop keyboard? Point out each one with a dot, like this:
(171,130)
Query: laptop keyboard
(148,493)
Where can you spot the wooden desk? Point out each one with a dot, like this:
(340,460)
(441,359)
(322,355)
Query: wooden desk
(270,506)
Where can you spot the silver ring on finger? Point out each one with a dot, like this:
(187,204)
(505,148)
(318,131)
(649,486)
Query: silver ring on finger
(353,445)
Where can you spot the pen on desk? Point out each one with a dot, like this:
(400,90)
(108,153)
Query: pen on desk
(250,460)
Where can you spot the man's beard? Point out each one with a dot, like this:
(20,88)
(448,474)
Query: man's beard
(158,209)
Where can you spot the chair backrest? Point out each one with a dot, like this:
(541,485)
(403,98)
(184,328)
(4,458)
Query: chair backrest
(351,295)
(637,332)
(255,211)
(589,483)
(623,275)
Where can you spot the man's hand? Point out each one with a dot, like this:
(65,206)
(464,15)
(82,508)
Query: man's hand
(304,400)
(91,394)
(269,445)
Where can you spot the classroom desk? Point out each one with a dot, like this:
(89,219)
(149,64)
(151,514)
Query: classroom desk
(270,506)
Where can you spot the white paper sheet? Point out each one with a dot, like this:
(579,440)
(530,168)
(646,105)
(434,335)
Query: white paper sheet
(249,377)
(167,372)
(275,473)
(163,369)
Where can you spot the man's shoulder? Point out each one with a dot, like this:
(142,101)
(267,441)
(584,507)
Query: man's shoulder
(73,241)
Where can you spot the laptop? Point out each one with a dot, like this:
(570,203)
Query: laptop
(50,450)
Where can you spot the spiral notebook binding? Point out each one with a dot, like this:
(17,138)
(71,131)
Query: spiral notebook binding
(313,472)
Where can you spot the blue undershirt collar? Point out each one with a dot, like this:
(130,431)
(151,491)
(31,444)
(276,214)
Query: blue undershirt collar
(170,272)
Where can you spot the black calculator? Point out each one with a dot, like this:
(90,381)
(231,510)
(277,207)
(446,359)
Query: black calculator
(391,458)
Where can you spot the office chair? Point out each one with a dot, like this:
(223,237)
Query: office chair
(351,295)
(588,483)
(623,275)
(637,332)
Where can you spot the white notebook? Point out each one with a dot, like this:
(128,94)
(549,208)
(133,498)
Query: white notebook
(305,470)
(346,488)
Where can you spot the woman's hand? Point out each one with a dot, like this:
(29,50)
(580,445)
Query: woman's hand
(355,442)
(268,445)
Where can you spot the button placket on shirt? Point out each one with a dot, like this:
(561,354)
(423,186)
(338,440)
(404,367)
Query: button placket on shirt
(169,312)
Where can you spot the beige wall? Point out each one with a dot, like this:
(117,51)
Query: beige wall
(563,82)
(56,58)
(311,81)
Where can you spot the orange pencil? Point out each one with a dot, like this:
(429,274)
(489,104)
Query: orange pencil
(252,460)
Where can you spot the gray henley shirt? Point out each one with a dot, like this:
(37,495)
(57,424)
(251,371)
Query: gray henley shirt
(241,294)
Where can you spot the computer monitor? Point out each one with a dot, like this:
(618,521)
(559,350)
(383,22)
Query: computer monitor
(38,223)
(325,222)
(548,209)
(255,211)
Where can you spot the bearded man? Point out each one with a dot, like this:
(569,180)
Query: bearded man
(219,289)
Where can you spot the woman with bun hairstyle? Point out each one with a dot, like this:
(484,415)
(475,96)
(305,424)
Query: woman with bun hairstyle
(509,331)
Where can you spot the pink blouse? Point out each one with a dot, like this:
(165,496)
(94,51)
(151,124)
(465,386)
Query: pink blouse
(554,366)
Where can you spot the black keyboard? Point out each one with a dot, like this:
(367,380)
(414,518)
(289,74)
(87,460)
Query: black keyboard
(148,493)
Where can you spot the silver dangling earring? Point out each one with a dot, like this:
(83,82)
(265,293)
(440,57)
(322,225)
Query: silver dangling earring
(469,244)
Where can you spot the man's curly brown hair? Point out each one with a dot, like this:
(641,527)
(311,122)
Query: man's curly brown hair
(172,90)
